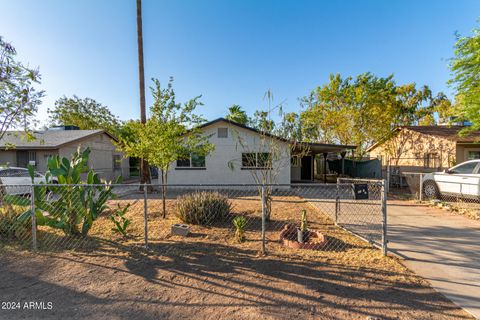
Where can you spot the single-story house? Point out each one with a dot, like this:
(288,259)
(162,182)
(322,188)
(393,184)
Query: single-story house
(426,148)
(241,153)
(17,151)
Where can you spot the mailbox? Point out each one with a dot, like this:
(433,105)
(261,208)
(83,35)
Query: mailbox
(360,191)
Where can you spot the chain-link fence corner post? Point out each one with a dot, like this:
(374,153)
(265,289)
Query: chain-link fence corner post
(264,217)
(420,192)
(34,218)
(145,213)
(337,201)
(384,216)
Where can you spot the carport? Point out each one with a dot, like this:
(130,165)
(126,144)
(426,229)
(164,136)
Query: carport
(303,159)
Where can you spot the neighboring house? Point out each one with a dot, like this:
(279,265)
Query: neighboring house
(239,150)
(426,148)
(16,150)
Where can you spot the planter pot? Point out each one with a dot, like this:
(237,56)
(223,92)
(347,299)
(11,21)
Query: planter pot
(312,239)
(179,229)
(300,236)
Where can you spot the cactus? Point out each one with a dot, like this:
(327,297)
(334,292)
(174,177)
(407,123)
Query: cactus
(303,223)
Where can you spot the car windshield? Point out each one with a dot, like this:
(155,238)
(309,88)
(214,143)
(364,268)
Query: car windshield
(467,168)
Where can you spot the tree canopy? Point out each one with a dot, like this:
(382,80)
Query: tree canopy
(86,113)
(364,109)
(171,132)
(465,68)
(19,98)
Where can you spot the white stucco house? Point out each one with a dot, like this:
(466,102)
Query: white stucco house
(241,153)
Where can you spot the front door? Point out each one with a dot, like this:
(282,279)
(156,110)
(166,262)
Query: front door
(306,171)
(22,159)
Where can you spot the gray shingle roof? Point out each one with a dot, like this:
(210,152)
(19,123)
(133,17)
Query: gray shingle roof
(50,139)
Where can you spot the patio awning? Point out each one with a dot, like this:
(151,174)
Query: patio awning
(326,148)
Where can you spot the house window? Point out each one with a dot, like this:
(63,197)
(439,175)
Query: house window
(222,132)
(195,161)
(472,155)
(295,161)
(117,162)
(430,160)
(260,160)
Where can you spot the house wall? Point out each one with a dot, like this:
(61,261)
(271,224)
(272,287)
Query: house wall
(463,150)
(9,158)
(229,151)
(101,156)
(42,159)
(296,172)
(414,146)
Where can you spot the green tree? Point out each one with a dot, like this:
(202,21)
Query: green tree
(290,127)
(171,133)
(363,110)
(465,68)
(19,99)
(261,120)
(87,114)
(237,114)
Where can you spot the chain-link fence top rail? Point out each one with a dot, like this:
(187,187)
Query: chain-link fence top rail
(456,192)
(91,216)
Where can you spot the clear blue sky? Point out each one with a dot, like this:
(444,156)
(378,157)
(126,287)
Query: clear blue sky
(231,52)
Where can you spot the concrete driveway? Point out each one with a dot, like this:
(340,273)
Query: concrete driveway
(441,247)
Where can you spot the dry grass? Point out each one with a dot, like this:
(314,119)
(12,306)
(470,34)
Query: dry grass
(211,275)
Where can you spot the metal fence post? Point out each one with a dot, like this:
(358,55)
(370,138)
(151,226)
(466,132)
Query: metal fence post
(337,203)
(420,196)
(34,218)
(384,217)
(264,216)
(145,213)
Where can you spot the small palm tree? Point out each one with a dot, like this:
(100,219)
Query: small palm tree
(236,114)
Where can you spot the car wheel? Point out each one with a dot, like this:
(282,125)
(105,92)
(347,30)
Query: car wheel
(430,190)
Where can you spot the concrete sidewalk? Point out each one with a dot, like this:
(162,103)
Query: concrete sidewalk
(441,247)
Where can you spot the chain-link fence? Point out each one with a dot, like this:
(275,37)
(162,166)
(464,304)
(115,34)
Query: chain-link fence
(332,217)
(455,192)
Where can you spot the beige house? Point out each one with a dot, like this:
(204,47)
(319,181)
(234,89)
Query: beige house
(426,148)
(16,150)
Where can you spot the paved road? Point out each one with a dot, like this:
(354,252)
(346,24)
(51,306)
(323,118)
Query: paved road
(441,247)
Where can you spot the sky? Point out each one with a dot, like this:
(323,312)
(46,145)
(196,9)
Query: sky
(230,52)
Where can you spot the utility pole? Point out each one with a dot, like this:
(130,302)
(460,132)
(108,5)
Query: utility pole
(144,167)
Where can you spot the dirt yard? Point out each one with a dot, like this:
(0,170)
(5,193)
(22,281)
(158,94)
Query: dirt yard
(210,276)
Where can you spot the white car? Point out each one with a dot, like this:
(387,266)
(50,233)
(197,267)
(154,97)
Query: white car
(16,180)
(462,180)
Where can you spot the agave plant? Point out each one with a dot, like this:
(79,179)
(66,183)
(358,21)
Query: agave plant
(240,222)
(75,203)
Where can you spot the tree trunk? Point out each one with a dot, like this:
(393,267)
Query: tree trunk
(164,193)
(144,168)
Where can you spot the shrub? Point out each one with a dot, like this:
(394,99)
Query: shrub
(10,225)
(203,207)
